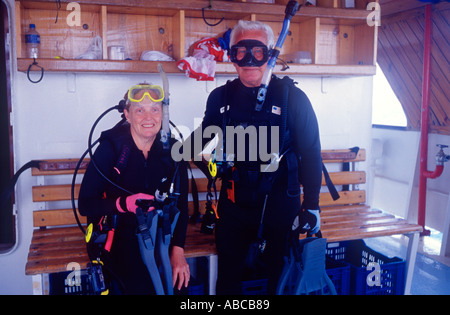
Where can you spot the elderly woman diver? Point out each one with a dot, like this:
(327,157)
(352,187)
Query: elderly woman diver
(132,156)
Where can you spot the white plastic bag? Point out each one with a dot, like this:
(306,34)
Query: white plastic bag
(95,50)
(153,55)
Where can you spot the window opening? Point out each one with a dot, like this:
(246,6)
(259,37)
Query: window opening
(386,108)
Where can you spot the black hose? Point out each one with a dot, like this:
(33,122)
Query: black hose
(72,190)
(6,194)
(89,150)
(34,63)
(91,155)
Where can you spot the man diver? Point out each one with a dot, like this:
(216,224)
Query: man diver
(248,195)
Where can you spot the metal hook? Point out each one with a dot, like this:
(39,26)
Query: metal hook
(284,63)
(203,15)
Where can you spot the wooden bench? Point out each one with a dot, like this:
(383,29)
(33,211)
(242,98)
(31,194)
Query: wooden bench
(57,241)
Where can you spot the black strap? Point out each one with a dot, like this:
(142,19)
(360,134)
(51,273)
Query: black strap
(194,192)
(355,150)
(143,225)
(284,111)
(194,189)
(293,189)
(346,167)
(334,193)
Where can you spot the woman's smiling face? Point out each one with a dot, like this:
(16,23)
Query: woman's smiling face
(145,118)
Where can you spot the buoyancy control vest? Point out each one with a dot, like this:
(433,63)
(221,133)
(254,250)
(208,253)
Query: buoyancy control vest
(254,141)
(123,143)
(120,139)
(246,175)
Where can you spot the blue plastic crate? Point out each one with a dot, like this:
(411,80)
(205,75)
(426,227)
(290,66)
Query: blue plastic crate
(196,289)
(59,284)
(389,279)
(339,274)
(254,287)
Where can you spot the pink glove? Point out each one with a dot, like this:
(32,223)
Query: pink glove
(130,202)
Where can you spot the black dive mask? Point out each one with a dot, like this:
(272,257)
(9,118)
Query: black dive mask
(249,53)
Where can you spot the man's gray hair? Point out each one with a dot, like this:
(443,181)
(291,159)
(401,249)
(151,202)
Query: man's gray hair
(243,26)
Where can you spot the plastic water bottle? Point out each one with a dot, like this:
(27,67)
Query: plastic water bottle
(33,42)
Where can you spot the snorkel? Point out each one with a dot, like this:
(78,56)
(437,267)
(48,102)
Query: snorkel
(291,9)
(165,129)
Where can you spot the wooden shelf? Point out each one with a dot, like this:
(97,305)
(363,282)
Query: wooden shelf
(339,40)
(72,65)
(308,69)
(222,68)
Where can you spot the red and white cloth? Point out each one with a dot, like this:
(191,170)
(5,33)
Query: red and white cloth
(212,46)
(202,64)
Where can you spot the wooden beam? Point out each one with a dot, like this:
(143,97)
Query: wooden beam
(19,36)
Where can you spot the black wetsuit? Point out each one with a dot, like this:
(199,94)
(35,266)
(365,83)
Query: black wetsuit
(239,221)
(138,175)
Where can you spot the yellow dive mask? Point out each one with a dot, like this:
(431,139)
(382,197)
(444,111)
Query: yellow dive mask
(137,93)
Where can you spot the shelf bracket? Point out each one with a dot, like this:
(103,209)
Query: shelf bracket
(323,88)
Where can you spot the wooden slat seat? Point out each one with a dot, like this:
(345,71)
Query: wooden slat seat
(364,231)
(52,249)
(57,241)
